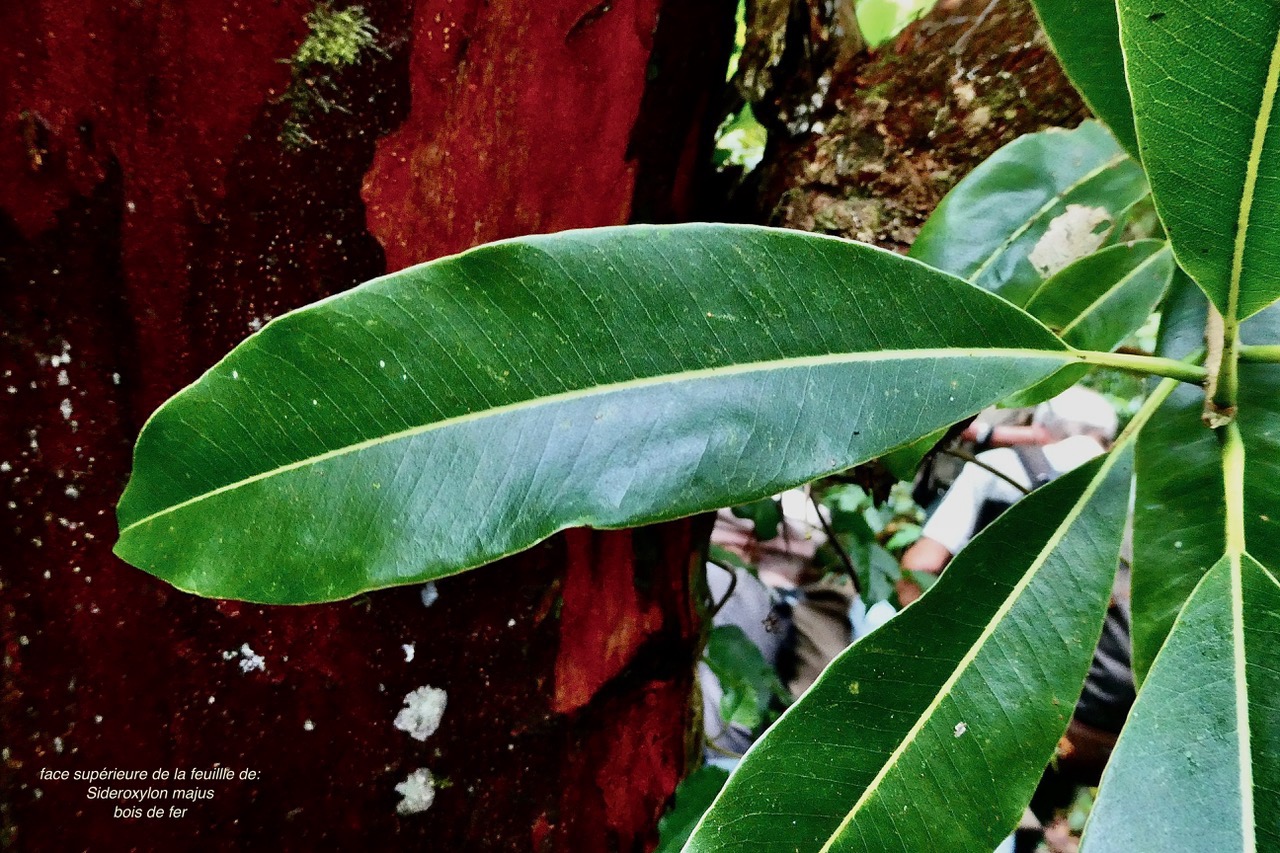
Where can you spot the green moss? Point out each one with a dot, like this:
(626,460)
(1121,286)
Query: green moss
(338,38)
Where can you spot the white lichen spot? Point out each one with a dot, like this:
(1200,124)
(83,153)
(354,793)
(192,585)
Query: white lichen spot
(250,661)
(115,379)
(960,729)
(1077,231)
(418,792)
(213,699)
(97,718)
(65,408)
(423,709)
(308,726)
(72,492)
(511,623)
(409,650)
(5,467)
(429,593)
(63,378)
(57,745)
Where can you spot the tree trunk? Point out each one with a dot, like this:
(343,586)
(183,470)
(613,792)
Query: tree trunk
(179,172)
(865,143)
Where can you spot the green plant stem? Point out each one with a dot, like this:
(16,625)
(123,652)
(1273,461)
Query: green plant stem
(1233,481)
(969,457)
(1261,354)
(1150,365)
(1228,385)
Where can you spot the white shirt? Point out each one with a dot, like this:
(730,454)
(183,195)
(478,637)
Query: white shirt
(951,525)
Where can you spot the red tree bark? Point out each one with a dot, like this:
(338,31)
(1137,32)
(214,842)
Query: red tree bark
(170,184)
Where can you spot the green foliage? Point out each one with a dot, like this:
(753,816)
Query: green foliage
(869,536)
(881,20)
(444,416)
(750,684)
(898,728)
(740,141)
(693,796)
(764,514)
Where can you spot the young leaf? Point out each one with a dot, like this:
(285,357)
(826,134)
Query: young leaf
(1100,300)
(1196,765)
(1085,35)
(932,732)
(442,417)
(1204,90)
(1033,207)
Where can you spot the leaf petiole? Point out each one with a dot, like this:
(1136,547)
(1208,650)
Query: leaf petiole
(1188,370)
(1261,354)
(1233,481)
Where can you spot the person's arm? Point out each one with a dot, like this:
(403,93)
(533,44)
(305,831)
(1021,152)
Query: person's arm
(1005,435)
(926,555)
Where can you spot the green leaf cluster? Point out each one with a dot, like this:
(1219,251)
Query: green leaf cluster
(447,415)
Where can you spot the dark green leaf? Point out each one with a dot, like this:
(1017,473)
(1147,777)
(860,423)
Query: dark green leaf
(765,514)
(1033,207)
(1178,511)
(1196,765)
(749,682)
(1203,78)
(693,796)
(932,732)
(1100,300)
(453,413)
(1085,35)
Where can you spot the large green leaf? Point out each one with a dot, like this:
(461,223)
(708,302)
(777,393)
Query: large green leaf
(1178,511)
(932,732)
(1085,35)
(1203,79)
(1100,300)
(1196,765)
(447,415)
(1034,206)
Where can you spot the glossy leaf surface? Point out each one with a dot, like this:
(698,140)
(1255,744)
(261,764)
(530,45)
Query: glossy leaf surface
(1085,35)
(448,415)
(1178,512)
(932,732)
(1039,203)
(1100,300)
(1196,765)
(1203,78)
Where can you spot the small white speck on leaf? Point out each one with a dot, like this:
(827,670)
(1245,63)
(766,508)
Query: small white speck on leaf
(423,709)
(960,729)
(418,792)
